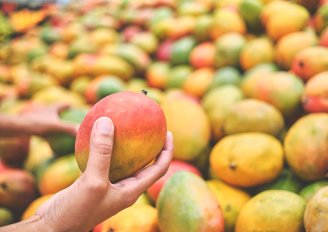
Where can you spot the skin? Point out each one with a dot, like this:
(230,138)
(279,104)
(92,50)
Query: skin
(41,121)
(92,198)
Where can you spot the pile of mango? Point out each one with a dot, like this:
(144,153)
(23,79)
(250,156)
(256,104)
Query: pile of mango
(244,88)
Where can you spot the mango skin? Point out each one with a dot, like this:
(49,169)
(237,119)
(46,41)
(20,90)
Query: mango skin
(62,143)
(310,190)
(34,205)
(137,218)
(310,61)
(228,49)
(306,146)
(235,159)
(251,115)
(255,52)
(288,46)
(6,217)
(315,98)
(225,21)
(185,204)
(316,212)
(274,211)
(281,18)
(217,103)
(182,113)
(60,174)
(140,132)
(17,189)
(281,89)
(231,201)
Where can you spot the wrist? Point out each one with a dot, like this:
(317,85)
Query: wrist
(39,224)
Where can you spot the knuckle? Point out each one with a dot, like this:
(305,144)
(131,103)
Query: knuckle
(161,170)
(102,147)
(129,198)
(95,186)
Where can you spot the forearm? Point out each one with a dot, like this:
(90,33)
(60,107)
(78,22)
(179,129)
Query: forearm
(33,224)
(17,126)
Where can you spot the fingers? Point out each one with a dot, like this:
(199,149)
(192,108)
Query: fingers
(101,147)
(67,128)
(146,177)
(58,108)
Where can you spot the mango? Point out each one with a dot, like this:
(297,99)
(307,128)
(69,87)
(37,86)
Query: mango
(138,218)
(288,47)
(226,76)
(231,201)
(80,84)
(320,18)
(261,68)
(39,152)
(17,189)
(186,205)
(236,161)
(314,97)
(136,85)
(82,45)
(198,82)
(34,205)
(255,52)
(182,113)
(226,21)
(14,150)
(281,89)
(316,215)
(203,55)
(140,132)
(228,49)
(164,51)
(102,64)
(6,217)
(181,50)
(310,61)
(251,115)
(114,65)
(58,175)
(216,104)
(202,27)
(250,10)
(306,148)
(157,74)
(274,211)
(62,143)
(310,190)
(178,75)
(57,95)
(102,36)
(146,41)
(310,5)
(103,86)
(281,18)
(131,53)
(180,27)
(175,166)
(323,38)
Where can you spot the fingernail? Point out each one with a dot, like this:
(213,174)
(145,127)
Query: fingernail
(104,125)
(170,133)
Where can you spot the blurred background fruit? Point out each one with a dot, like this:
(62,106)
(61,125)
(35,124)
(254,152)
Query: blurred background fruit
(243,85)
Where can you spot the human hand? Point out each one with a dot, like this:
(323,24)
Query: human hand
(45,120)
(92,198)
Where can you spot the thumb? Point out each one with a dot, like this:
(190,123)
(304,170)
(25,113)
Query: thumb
(101,148)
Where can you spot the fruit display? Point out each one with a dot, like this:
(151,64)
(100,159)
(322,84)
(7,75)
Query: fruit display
(241,84)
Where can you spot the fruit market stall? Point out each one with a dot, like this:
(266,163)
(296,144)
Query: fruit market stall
(242,84)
